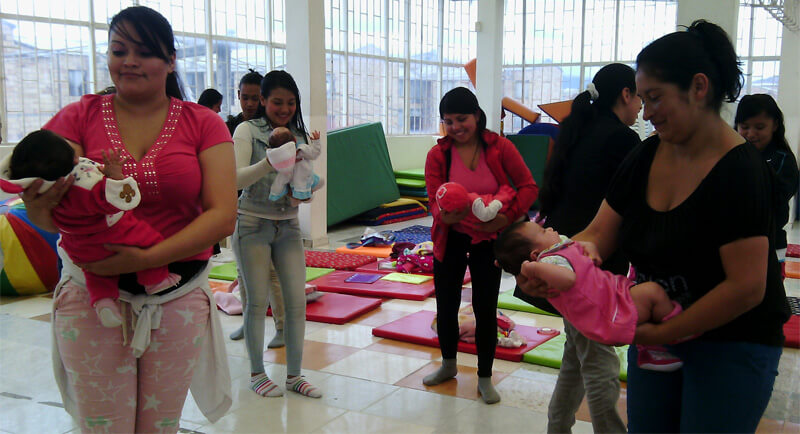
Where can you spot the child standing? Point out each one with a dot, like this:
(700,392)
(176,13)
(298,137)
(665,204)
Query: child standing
(95,211)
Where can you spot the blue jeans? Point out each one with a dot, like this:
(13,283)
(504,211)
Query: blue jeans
(257,242)
(722,387)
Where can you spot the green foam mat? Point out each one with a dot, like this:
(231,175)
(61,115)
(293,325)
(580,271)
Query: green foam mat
(411,173)
(410,183)
(550,353)
(224,272)
(314,272)
(228,272)
(506,300)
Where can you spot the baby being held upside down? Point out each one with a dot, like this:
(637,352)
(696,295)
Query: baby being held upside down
(603,306)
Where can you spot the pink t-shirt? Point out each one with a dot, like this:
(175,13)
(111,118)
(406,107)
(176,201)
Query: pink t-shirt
(169,174)
(480,181)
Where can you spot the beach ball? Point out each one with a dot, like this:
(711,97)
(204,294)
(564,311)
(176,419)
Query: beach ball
(28,260)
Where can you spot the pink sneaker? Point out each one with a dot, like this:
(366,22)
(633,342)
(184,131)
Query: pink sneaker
(657,358)
(675,311)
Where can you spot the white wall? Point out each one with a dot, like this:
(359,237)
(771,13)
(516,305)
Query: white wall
(789,87)
(409,152)
(724,13)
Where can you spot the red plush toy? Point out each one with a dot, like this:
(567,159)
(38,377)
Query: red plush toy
(452,196)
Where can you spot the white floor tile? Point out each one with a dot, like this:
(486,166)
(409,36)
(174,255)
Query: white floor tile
(423,408)
(374,366)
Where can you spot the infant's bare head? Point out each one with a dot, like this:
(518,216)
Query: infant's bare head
(280,136)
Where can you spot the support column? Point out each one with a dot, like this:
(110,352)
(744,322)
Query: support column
(305,60)
(489,69)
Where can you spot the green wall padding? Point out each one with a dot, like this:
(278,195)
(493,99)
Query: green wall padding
(360,175)
(533,148)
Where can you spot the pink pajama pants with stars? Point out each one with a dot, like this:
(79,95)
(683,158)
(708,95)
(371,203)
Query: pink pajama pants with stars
(116,392)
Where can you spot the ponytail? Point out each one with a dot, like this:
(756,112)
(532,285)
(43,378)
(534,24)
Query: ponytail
(601,95)
(703,48)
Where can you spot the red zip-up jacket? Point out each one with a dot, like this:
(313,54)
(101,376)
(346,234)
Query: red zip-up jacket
(503,160)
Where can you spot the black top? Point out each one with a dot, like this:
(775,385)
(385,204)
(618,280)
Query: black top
(785,167)
(233,122)
(590,167)
(679,248)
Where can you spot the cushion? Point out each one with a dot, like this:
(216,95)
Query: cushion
(338,261)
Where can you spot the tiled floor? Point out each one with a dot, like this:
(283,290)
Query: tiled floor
(369,384)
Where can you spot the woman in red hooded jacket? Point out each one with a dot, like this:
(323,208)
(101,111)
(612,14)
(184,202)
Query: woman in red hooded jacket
(481,161)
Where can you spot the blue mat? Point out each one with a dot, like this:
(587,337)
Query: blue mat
(413,234)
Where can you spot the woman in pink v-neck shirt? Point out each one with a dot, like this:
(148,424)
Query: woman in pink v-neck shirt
(481,161)
(135,378)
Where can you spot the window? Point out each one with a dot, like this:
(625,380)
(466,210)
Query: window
(567,41)
(77,82)
(54,51)
(390,61)
(758,44)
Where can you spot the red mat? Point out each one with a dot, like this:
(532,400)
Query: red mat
(338,308)
(793,250)
(373,268)
(339,261)
(416,329)
(334,282)
(792,331)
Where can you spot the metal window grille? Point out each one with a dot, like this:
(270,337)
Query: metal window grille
(49,46)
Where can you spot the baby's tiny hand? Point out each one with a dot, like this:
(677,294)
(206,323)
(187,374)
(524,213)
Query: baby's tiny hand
(112,164)
(314,135)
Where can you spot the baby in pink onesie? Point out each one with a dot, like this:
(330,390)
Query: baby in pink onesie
(96,210)
(603,306)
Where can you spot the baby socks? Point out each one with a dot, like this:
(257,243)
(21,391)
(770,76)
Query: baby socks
(171,280)
(108,312)
(446,372)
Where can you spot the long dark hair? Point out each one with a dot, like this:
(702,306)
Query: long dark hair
(209,98)
(756,104)
(253,77)
(703,48)
(461,100)
(156,35)
(609,83)
(276,79)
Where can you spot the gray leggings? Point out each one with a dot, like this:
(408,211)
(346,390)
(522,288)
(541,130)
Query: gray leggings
(258,243)
(590,367)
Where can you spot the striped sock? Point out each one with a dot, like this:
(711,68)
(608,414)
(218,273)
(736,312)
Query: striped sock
(262,385)
(300,385)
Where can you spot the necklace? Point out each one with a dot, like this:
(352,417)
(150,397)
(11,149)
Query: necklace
(472,165)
